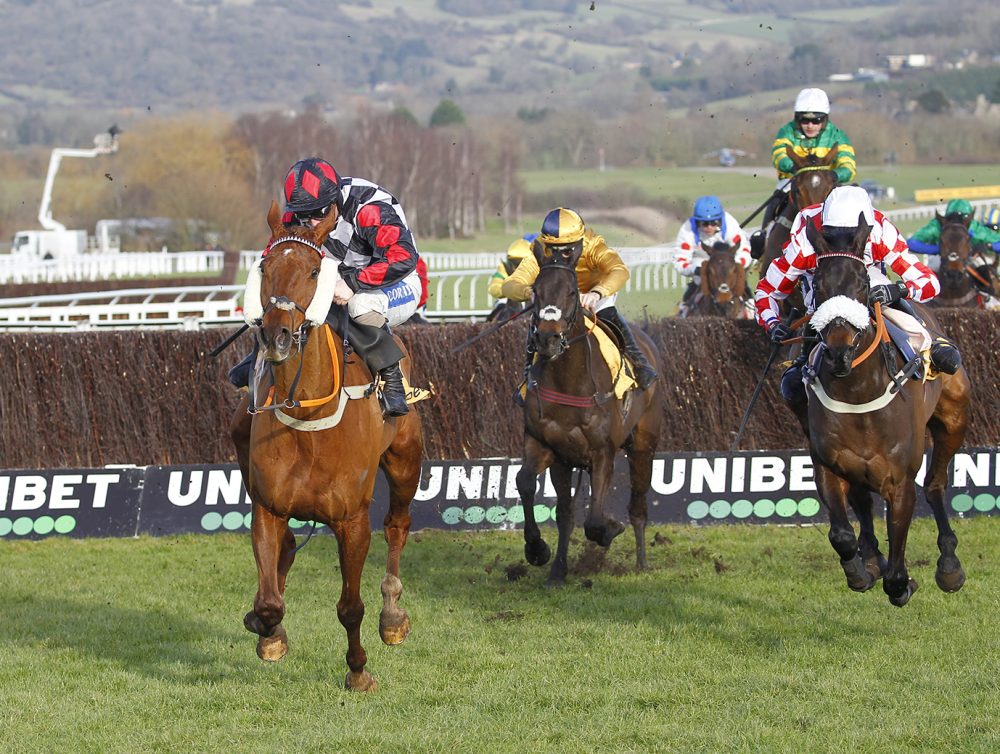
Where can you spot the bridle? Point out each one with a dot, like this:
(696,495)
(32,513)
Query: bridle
(300,337)
(858,332)
(539,313)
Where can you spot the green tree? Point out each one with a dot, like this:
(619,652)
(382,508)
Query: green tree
(447,113)
(934,101)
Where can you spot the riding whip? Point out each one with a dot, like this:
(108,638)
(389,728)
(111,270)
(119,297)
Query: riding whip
(489,331)
(228,341)
(757,211)
(792,316)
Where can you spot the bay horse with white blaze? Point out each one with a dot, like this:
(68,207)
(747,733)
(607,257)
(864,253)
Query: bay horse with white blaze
(316,459)
(867,436)
(572,419)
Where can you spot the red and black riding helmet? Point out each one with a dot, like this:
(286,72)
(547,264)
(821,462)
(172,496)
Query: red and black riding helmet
(311,185)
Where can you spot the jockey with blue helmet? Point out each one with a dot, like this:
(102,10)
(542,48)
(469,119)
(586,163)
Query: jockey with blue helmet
(709,224)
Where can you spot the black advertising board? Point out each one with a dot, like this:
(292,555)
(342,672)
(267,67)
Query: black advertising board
(700,488)
(74,503)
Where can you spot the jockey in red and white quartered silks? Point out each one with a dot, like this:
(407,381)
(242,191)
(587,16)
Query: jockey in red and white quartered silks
(886,246)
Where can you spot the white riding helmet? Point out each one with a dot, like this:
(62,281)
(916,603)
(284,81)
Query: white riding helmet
(843,206)
(812,101)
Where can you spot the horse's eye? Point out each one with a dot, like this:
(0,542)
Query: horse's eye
(315,273)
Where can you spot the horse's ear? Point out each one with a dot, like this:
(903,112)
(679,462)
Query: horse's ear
(274,220)
(537,251)
(831,156)
(939,217)
(326,225)
(706,248)
(864,230)
(703,272)
(967,221)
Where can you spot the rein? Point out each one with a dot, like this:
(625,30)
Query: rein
(311,402)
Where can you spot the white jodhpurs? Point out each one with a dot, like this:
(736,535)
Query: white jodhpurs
(396,302)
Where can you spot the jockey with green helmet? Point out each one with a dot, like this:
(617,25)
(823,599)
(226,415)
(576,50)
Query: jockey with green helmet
(600,274)
(927,239)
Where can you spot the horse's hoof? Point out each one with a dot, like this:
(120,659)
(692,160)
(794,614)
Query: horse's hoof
(859,578)
(902,599)
(605,534)
(272,648)
(253,624)
(362,681)
(537,553)
(876,566)
(555,582)
(394,630)
(949,581)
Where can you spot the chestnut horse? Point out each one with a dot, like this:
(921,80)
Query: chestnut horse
(724,291)
(962,283)
(867,437)
(316,459)
(572,419)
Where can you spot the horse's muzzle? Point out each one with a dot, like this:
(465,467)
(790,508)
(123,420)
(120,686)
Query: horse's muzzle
(550,345)
(276,343)
(840,360)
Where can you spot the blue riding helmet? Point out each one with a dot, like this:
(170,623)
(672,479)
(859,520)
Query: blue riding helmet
(707,208)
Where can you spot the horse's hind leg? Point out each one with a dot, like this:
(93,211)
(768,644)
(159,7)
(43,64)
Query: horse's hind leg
(562,481)
(353,538)
(537,458)
(861,501)
(273,549)
(401,464)
(640,462)
(833,491)
(947,426)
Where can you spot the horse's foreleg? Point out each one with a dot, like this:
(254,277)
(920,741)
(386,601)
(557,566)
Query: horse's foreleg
(401,464)
(899,512)
(599,527)
(537,458)
(562,481)
(271,550)
(833,491)
(353,538)
(860,499)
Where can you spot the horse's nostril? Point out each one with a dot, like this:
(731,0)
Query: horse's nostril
(283,339)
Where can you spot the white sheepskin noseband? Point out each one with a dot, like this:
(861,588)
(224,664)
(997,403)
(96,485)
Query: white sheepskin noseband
(845,307)
(319,307)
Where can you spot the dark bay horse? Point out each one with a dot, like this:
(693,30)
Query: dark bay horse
(572,419)
(865,438)
(724,291)
(963,284)
(813,180)
(318,462)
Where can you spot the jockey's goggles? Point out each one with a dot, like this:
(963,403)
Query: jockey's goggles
(564,251)
(709,223)
(956,217)
(813,120)
(303,218)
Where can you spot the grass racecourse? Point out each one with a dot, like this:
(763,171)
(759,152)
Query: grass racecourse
(739,638)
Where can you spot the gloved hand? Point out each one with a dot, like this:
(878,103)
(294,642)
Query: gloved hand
(589,300)
(888,294)
(779,332)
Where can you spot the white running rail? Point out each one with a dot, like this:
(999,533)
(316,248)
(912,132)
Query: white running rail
(19,269)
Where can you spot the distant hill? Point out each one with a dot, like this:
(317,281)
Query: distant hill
(257,54)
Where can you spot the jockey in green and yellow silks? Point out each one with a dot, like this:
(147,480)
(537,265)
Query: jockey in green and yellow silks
(811,132)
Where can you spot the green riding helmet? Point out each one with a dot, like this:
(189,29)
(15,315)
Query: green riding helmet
(959,207)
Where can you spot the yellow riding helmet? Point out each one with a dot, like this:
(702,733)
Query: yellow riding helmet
(521,247)
(562,226)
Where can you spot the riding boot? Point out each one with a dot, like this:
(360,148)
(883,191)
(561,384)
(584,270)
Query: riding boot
(393,394)
(239,375)
(945,357)
(793,390)
(644,372)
